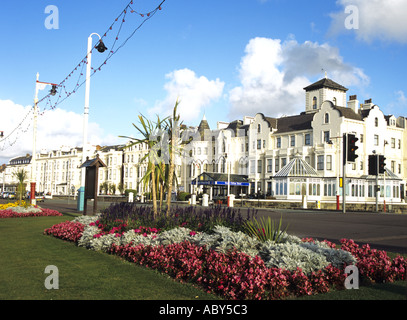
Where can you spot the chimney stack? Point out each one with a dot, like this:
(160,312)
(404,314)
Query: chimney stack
(353,103)
(368,104)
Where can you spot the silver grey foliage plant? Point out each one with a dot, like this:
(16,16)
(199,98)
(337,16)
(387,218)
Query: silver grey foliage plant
(289,253)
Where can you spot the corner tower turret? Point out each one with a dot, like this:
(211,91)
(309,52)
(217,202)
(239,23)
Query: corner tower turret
(203,126)
(322,90)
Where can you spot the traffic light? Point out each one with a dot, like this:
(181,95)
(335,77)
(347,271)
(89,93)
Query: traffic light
(373,164)
(351,145)
(53,90)
(382,164)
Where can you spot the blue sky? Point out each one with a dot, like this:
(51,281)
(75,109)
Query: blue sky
(224,58)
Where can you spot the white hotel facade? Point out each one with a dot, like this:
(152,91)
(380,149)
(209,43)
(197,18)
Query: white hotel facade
(286,158)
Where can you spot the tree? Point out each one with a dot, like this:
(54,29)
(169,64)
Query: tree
(163,141)
(21,175)
(148,131)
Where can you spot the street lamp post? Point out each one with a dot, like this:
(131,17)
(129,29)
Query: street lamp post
(33,162)
(38,86)
(338,152)
(101,48)
(384,179)
(228,171)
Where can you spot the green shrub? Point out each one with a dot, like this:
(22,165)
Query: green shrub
(265,229)
(127,191)
(183,196)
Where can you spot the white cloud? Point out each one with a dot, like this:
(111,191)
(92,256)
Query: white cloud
(55,128)
(192,91)
(377,19)
(398,103)
(401,99)
(309,58)
(273,75)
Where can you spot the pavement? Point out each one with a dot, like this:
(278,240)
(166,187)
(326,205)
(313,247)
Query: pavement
(383,231)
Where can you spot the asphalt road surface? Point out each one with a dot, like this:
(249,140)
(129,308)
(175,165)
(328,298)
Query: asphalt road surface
(384,231)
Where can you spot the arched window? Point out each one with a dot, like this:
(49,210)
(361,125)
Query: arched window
(334,101)
(376,122)
(314,103)
(259,128)
(326,120)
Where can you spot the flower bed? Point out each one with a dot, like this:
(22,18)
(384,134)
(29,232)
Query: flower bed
(232,264)
(71,231)
(15,210)
(5,206)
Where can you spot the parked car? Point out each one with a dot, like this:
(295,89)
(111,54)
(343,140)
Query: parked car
(39,197)
(12,195)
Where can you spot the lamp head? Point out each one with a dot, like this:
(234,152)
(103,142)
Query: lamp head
(101,47)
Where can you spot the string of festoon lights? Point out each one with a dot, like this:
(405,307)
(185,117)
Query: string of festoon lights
(11,138)
(77,77)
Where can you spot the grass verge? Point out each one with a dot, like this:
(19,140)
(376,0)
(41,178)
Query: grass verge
(83,274)
(88,275)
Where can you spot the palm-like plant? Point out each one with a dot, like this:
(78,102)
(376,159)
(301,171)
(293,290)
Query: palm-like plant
(21,175)
(104,187)
(148,131)
(265,229)
(163,141)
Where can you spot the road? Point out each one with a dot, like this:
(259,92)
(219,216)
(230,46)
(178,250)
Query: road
(384,231)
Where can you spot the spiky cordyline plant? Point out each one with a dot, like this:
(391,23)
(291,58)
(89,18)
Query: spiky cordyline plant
(265,229)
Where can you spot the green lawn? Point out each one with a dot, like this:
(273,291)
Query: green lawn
(87,275)
(83,274)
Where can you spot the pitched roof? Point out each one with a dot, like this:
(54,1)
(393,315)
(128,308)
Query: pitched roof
(271,121)
(204,125)
(114,147)
(294,123)
(325,83)
(235,126)
(93,163)
(390,175)
(349,113)
(21,160)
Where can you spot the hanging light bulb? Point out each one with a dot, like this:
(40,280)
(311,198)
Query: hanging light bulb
(101,47)
(53,91)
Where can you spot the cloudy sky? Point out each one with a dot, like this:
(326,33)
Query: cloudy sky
(222,58)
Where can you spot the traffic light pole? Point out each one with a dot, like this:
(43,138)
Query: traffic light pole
(377,184)
(345,157)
